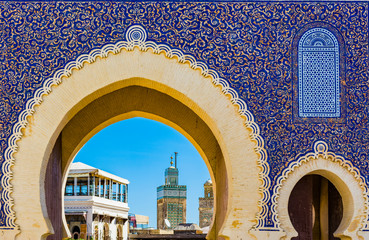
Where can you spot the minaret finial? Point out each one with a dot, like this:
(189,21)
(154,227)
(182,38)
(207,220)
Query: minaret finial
(171,160)
(175,155)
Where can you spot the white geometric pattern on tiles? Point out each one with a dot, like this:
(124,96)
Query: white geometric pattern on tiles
(319,86)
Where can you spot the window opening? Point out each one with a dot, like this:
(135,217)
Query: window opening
(318,62)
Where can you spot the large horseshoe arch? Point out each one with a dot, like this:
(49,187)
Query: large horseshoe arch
(227,148)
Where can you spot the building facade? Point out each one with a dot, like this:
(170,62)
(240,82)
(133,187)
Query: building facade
(270,92)
(171,200)
(206,205)
(138,222)
(95,204)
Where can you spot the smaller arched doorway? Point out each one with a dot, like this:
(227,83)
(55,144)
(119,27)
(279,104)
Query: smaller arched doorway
(76,232)
(328,171)
(106,233)
(315,208)
(119,233)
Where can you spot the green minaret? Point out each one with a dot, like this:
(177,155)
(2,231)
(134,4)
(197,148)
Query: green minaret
(171,173)
(171,199)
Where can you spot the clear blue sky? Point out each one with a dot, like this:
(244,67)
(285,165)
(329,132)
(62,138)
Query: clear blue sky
(139,150)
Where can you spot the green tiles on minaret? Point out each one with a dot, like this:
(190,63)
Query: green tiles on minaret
(171,199)
(171,173)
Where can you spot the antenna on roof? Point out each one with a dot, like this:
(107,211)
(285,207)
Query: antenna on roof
(175,159)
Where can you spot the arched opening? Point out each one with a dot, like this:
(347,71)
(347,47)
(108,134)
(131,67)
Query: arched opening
(118,105)
(315,208)
(306,182)
(134,154)
(175,95)
(106,232)
(76,232)
(77,224)
(119,233)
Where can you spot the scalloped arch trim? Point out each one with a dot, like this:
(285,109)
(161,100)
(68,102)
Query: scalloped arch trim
(320,150)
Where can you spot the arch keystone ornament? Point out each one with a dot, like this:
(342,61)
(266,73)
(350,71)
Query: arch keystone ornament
(142,52)
(346,178)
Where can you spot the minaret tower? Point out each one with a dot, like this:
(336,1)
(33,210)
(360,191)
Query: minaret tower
(171,198)
(206,205)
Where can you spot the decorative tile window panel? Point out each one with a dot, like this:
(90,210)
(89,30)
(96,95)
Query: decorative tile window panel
(319,88)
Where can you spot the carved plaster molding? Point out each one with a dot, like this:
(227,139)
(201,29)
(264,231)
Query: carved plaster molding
(135,39)
(320,151)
